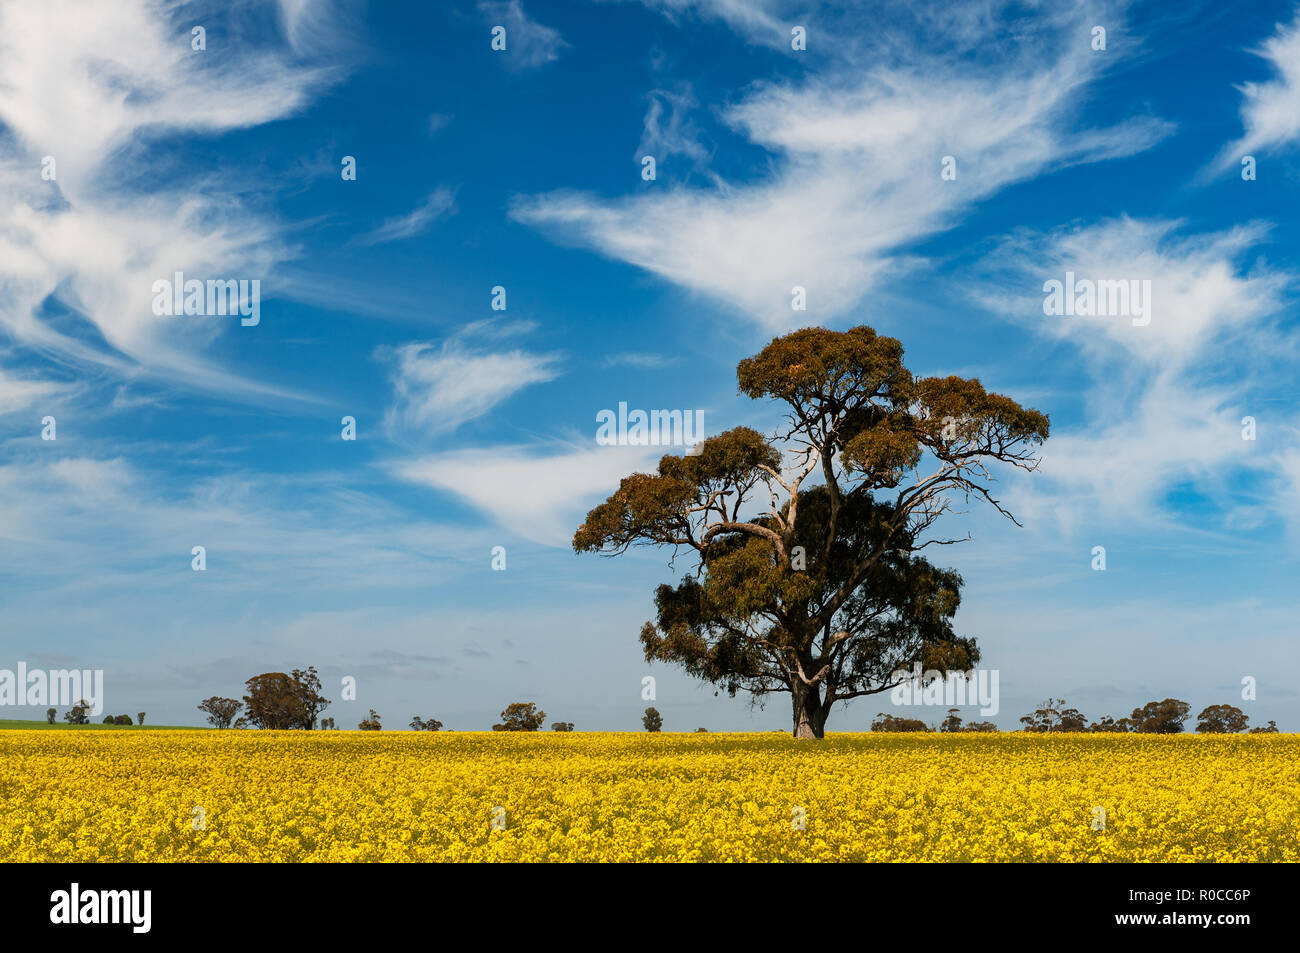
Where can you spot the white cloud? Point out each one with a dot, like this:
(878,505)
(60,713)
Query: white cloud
(93,524)
(18,393)
(319,27)
(1120,466)
(1270,111)
(539,496)
(440,203)
(438,387)
(529,44)
(667,129)
(79,79)
(1201,294)
(1165,405)
(92,86)
(1288,469)
(651,362)
(758,20)
(856,176)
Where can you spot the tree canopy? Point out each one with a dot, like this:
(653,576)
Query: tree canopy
(221,712)
(808,578)
(279,701)
(521,716)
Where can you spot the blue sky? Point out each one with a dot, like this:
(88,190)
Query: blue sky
(476,427)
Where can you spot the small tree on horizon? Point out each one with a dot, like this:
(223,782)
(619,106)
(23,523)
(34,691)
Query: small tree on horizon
(1108,724)
(521,716)
(1222,720)
(1052,715)
(76,715)
(652,720)
(279,701)
(885,722)
(421,724)
(221,712)
(371,722)
(50,714)
(1162,717)
(139,718)
(562,726)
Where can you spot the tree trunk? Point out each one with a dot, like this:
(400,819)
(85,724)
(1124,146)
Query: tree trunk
(809,717)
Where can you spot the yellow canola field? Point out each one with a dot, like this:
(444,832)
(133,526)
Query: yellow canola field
(390,796)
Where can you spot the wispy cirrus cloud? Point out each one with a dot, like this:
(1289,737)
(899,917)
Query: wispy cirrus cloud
(61,512)
(758,20)
(1165,404)
(536,492)
(19,392)
(320,27)
(440,203)
(1270,111)
(667,129)
(1207,290)
(83,234)
(645,361)
(440,386)
(856,162)
(529,44)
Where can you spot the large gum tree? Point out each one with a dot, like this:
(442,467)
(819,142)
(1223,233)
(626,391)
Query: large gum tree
(808,574)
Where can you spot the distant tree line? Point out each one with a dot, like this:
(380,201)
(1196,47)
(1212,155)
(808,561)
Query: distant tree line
(952,722)
(1154,718)
(294,701)
(79,714)
(278,701)
(1165,717)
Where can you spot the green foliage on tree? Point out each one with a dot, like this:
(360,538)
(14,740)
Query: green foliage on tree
(1108,724)
(885,722)
(1052,715)
(1221,720)
(1161,718)
(221,712)
(78,714)
(521,716)
(652,720)
(279,701)
(954,723)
